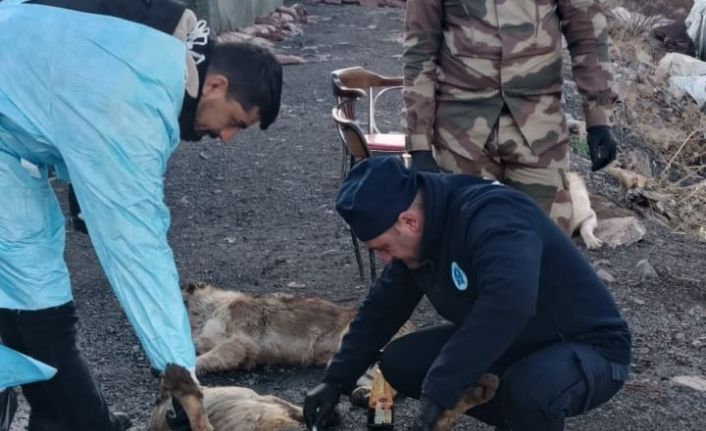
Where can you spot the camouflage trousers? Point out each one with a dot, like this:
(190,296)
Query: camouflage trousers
(508,158)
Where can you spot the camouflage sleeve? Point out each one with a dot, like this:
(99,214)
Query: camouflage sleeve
(585,28)
(423,33)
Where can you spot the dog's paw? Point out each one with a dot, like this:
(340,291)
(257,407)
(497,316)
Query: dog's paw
(193,286)
(488,383)
(592,242)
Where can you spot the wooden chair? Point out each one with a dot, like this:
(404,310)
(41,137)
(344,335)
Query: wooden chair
(351,85)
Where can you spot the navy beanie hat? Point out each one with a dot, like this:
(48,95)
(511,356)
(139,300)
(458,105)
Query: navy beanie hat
(374,194)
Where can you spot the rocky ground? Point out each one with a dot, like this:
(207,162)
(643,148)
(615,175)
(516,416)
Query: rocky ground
(257,215)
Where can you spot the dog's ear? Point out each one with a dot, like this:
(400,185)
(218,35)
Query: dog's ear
(178,382)
(192,286)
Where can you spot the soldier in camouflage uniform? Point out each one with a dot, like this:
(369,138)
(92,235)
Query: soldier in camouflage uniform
(482,90)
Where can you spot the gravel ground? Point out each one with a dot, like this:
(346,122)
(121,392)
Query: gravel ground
(257,215)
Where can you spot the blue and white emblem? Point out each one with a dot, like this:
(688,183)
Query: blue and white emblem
(459,277)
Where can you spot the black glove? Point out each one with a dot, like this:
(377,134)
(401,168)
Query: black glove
(177,420)
(602,146)
(427,414)
(423,161)
(319,403)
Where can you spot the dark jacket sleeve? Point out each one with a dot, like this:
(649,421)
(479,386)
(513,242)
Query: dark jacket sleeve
(387,307)
(504,254)
(586,30)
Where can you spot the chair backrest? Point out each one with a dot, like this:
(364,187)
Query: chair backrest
(353,83)
(351,134)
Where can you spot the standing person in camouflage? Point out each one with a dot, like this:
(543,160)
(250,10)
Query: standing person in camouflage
(482,91)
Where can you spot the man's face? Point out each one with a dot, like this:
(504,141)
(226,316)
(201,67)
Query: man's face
(219,115)
(402,241)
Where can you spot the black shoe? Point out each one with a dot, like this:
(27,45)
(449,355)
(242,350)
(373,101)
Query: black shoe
(124,420)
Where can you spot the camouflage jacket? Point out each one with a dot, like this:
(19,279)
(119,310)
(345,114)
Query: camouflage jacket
(493,53)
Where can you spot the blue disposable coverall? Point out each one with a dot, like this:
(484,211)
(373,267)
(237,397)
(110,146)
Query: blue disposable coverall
(87,94)
(18,369)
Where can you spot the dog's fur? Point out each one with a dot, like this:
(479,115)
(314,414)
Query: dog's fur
(236,331)
(229,408)
(584,218)
(480,393)
(240,409)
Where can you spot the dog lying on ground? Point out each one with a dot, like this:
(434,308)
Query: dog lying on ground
(240,409)
(236,331)
(229,408)
(584,218)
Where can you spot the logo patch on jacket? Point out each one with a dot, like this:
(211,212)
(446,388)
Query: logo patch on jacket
(459,277)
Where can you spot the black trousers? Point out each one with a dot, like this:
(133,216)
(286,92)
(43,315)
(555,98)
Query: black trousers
(537,392)
(70,400)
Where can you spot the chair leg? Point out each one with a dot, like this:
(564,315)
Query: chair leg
(358,257)
(346,164)
(373,271)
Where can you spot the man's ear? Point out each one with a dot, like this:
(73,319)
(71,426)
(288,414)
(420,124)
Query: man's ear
(411,220)
(215,85)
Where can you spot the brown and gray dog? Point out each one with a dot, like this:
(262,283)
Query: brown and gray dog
(236,331)
(240,409)
(228,408)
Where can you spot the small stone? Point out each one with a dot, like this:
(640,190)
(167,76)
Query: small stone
(606,276)
(203,155)
(693,382)
(230,239)
(620,231)
(680,337)
(295,285)
(646,269)
(697,311)
(643,350)
(637,301)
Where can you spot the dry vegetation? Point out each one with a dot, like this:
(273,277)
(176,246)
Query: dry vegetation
(671,126)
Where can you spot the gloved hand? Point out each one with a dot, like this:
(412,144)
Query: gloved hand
(423,161)
(177,420)
(602,146)
(427,414)
(319,403)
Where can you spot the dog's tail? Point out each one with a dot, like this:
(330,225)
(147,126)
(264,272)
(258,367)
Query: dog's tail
(178,383)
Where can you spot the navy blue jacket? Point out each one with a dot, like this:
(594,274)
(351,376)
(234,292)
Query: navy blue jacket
(502,272)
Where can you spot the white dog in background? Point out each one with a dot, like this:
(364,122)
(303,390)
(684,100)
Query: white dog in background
(584,217)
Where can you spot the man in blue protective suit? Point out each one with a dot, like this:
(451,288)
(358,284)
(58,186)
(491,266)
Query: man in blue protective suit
(102,91)
(520,300)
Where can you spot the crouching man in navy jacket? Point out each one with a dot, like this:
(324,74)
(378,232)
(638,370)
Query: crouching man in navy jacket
(520,300)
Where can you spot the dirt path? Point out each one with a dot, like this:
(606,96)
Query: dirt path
(257,215)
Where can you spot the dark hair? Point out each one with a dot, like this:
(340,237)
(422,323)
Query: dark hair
(254,77)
